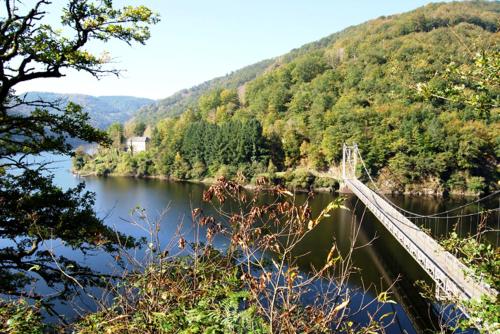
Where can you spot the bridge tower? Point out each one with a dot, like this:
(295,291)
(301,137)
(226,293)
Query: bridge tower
(349,163)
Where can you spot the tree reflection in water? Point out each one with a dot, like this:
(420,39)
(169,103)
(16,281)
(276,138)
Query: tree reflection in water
(35,215)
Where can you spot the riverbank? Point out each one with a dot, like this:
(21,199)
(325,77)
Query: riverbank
(303,181)
(289,181)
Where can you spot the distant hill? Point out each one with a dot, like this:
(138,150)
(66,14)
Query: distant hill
(103,110)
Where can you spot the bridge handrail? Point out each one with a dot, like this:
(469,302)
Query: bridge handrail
(437,272)
(423,237)
(411,214)
(419,249)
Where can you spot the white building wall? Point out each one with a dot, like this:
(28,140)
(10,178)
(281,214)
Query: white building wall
(139,146)
(135,145)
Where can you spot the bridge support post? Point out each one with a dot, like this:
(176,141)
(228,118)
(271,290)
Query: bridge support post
(343,160)
(349,161)
(354,159)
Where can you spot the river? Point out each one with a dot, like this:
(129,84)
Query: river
(380,264)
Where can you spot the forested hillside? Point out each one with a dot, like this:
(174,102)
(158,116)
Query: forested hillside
(391,85)
(103,110)
(188,98)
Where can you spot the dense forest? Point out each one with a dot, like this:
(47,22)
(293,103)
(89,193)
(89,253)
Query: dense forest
(387,85)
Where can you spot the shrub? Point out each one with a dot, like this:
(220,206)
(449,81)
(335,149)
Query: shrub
(199,170)
(326,182)
(17,317)
(226,171)
(476,184)
(181,295)
(299,179)
(457,182)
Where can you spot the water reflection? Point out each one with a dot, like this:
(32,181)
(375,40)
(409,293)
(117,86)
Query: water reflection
(115,197)
(381,262)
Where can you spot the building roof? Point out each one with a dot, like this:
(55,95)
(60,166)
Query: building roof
(138,139)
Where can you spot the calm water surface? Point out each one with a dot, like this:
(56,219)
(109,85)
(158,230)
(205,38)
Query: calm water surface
(380,264)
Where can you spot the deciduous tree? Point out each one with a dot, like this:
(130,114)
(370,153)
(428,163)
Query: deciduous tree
(32,208)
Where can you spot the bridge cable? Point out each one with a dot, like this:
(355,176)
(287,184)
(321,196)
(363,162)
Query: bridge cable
(432,216)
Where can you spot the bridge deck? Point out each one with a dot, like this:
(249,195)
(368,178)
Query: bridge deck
(445,269)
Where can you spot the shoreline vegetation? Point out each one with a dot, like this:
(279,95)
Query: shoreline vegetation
(333,184)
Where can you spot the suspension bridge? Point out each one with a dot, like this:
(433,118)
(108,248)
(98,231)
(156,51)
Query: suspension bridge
(453,280)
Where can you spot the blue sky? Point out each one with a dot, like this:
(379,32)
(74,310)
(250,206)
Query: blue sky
(198,40)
